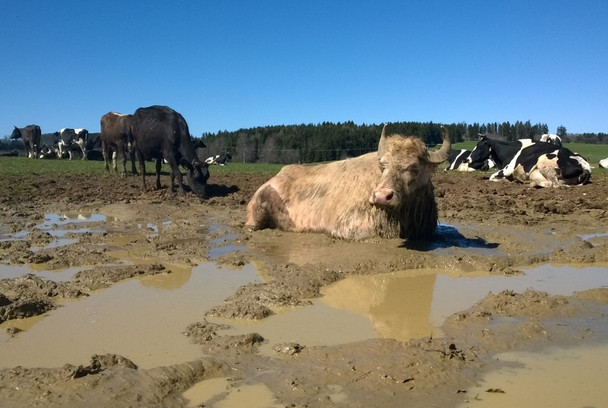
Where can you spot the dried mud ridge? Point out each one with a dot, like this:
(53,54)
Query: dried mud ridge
(523,226)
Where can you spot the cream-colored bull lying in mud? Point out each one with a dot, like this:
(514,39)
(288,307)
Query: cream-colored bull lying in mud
(386,194)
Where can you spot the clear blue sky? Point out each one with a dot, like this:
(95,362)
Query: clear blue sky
(227,64)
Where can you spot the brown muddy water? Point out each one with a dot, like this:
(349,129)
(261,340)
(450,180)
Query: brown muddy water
(144,320)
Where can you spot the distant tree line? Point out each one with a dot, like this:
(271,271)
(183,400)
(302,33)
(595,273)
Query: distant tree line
(310,143)
(333,141)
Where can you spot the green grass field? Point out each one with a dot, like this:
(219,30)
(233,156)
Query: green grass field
(21,165)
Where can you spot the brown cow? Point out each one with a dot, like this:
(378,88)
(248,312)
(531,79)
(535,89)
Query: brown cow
(387,193)
(31,139)
(116,136)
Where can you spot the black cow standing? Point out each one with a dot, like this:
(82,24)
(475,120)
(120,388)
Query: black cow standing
(116,139)
(31,139)
(160,133)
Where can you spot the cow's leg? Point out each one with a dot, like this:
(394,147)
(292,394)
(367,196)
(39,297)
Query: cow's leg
(158,167)
(176,174)
(123,155)
(537,179)
(142,169)
(132,157)
(115,161)
(105,150)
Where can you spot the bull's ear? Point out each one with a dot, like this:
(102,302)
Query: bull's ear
(382,144)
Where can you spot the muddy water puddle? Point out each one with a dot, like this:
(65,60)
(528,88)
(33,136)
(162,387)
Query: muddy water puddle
(218,393)
(407,304)
(141,319)
(558,378)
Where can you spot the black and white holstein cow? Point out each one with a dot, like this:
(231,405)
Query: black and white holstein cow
(49,148)
(219,159)
(160,133)
(551,138)
(70,139)
(31,139)
(604,163)
(457,160)
(540,164)
(116,140)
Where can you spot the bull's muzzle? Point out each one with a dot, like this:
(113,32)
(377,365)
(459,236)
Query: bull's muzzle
(382,197)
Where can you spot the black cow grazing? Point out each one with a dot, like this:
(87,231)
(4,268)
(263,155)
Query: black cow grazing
(540,164)
(73,139)
(116,140)
(31,139)
(160,133)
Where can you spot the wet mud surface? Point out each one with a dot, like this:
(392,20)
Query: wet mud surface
(487,229)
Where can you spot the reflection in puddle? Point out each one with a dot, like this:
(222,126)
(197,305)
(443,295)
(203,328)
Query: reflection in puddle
(52,225)
(57,275)
(218,393)
(154,227)
(215,253)
(448,236)
(404,305)
(559,378)
(410,304)
(142,320)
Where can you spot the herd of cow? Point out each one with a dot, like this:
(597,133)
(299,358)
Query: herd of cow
(387,193)
(545,163)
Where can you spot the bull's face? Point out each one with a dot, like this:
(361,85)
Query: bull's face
(197,176)
(397,180)
(405,165)
(16,133)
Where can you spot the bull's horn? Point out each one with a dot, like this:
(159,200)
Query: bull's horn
(441,155)
(382,143)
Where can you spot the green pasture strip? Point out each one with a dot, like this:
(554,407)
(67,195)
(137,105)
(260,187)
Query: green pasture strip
(246,168)
(23,165)
(592,152)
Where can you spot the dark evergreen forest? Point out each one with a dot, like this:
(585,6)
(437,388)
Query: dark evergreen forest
(333,141)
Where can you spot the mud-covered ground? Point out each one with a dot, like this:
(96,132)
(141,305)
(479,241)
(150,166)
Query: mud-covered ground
(525,226)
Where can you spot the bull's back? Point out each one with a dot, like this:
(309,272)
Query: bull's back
(316,198)
(155,129)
